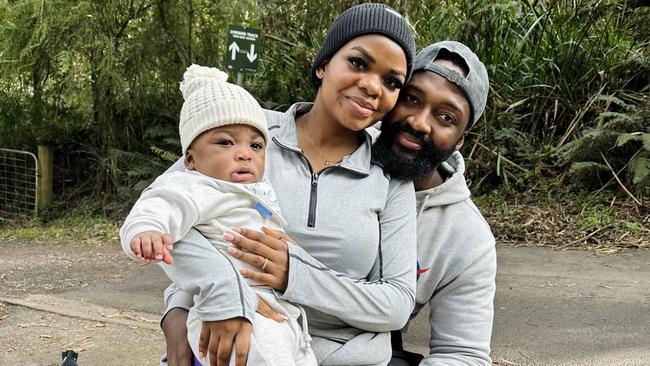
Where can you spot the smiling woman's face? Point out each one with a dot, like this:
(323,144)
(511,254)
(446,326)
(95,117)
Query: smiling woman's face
(361,82)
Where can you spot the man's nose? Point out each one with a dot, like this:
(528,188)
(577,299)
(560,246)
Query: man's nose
(419,122)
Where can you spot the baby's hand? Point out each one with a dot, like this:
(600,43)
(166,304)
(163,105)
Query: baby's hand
(152,246)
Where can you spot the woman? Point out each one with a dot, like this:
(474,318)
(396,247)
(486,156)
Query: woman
(353,268)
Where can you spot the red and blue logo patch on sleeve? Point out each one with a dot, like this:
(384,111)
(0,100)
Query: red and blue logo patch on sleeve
(420,270)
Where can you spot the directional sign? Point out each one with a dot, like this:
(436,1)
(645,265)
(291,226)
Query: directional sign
(244,48)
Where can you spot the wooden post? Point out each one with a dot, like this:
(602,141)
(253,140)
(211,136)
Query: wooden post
(45,177)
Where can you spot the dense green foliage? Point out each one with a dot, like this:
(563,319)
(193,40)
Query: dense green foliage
(98,81)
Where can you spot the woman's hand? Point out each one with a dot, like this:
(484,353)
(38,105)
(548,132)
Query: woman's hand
(174,327)
(267,251)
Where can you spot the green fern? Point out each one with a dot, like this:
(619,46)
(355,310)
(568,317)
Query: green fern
(634,136)
(165,154)
(623,138)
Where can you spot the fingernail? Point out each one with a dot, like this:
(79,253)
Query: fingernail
(237,229)
(228,237)
(232,250)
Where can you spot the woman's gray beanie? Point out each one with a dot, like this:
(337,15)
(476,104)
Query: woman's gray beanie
(365,19)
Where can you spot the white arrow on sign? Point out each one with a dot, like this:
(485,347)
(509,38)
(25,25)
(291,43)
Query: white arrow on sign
(251,54)
(233,48)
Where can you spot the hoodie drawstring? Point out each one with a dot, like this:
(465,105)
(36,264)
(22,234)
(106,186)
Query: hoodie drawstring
(306,338)
(422,205)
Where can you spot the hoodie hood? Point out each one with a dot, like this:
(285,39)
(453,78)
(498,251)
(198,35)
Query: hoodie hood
(452,190)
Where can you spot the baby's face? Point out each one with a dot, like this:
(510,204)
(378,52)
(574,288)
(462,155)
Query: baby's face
(234,153)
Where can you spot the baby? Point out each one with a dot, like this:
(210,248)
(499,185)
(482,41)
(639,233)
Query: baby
(223,134)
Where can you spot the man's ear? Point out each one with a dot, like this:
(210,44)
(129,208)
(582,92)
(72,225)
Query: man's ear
(189,160)
(461,141)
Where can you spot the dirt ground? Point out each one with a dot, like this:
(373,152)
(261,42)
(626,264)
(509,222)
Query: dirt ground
(552,307)
(59,277)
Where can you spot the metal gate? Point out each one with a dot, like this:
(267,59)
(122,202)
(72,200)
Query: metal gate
(18,184)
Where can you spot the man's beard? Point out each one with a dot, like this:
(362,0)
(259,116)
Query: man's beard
(428,158)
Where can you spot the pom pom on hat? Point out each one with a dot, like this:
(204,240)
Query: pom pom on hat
(211,101)
(196,73)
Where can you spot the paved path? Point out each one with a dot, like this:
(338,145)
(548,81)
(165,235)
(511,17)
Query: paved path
(569,308)
(552,308)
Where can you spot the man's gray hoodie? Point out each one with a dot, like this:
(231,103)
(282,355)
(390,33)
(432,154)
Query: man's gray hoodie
(456,271)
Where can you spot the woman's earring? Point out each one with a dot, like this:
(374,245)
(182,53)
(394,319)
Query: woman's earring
(319,73)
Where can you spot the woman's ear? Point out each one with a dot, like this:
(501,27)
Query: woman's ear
(320,70)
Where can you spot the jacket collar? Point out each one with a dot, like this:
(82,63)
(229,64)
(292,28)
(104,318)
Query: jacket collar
(286,137)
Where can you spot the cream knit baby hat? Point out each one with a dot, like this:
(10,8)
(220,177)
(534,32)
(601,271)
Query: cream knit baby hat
(210,101)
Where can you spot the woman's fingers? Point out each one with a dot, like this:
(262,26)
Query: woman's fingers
(258,237)
(280,235)
(250,258)
(268,279)
(263,251)
(249,245)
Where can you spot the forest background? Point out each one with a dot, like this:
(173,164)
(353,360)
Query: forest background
(561,156)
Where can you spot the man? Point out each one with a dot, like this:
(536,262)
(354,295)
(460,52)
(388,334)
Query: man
(419,140)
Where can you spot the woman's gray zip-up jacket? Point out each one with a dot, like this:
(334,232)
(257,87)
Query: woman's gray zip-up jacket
(354,267)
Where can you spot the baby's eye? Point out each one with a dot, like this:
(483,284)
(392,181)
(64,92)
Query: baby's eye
(225,142)
(257,146)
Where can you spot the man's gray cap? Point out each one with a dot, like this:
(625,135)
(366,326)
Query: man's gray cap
(475,85)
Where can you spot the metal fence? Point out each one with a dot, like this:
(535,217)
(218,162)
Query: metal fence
(18,183)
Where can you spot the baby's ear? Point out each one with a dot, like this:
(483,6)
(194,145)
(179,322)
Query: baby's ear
(189,160)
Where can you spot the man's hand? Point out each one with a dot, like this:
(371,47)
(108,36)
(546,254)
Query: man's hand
(218,337)
(174,327)
(152,246)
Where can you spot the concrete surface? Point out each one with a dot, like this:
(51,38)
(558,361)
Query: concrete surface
(552,308)
(567,308)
